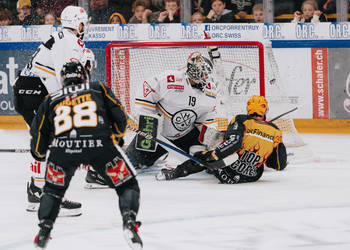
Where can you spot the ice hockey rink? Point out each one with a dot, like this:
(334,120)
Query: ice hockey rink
(305,207)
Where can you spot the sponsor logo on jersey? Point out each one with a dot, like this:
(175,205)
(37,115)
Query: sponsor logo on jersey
(175,86)
(247,164)
(73,146)
(170,78)
(146,89)
(80,43)
(258,133)
(183,119)
(29,92)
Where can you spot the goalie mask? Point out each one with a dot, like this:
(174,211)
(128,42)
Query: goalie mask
(199,70)
(72,17)
(257,105)
(73,73)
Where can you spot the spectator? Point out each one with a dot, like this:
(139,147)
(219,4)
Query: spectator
(116,18)
(258,13)
(202,6)
(5,17)
(123,7)
(171,14)
(241,8)
(310,13)
(55,7)
(100,11)
(50,19)
(141,12)
(197,17)
(219,13)
(25,14)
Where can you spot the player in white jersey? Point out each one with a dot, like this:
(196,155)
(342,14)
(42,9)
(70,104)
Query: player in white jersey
(186,101)
(40,77)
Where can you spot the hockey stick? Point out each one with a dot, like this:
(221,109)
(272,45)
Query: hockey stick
(212,165)
(218,164)
(283,114)
(14,150)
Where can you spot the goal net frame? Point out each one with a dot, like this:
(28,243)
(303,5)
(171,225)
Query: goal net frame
(122,89)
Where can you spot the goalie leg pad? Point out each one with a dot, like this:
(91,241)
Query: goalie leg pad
(141,158)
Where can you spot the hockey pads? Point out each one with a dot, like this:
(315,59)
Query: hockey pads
(37,158)
(148,124)
(211,137)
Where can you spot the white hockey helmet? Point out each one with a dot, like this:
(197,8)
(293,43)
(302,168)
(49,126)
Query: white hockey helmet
(73,16)
(88,61)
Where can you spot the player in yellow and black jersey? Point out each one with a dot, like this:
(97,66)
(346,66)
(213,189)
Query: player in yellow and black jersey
(256,142)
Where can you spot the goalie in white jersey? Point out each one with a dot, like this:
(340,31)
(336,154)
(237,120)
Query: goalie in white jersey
(185,99)
(41,76)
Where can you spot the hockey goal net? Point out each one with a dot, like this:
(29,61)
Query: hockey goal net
(243,69)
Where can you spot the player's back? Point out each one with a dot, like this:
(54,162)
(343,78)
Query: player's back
(79,111)
(48,59)
(259,140)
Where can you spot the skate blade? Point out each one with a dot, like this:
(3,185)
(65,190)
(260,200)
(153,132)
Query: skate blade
(94,186)
(32,207)
(128,235)
(160,177)
(64,212)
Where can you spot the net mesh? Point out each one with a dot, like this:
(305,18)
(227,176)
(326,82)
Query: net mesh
(238,74)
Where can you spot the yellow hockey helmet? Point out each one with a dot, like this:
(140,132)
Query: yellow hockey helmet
(257,104)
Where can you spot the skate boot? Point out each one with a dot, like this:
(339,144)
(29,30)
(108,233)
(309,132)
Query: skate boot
(43,237)
(34,193)
(130,229)
(69,208)
(94,180)
(166,174)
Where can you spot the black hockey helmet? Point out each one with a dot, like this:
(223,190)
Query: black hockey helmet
(73,73)
(197,67)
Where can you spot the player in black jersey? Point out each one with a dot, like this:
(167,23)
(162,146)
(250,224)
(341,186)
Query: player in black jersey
(251,139)
(82,124)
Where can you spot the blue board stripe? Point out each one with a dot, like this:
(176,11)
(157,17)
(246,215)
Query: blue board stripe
(275,44)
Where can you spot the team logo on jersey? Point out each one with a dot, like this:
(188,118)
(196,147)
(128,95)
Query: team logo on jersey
(183,119)
(55,175)
(146,89)
(170,78)
(117,171)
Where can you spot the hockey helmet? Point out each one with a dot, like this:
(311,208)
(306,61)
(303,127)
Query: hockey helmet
(88,61)
(199,70)
(257,105)
(72,17)
(73,73)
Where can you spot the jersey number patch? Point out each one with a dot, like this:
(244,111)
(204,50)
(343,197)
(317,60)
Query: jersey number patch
(84,115)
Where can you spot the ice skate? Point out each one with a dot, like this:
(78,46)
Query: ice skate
(166,174)
(94,181)
(34,193)
(131,235)
(130,229)
(43,237)
(68,208)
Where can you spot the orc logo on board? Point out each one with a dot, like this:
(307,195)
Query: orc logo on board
(183,119)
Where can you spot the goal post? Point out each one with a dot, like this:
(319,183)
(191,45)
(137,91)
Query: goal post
(244,68)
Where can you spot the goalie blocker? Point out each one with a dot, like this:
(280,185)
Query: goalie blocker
(148,124)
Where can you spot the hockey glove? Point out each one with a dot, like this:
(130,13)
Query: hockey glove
(37,158)
(206,156)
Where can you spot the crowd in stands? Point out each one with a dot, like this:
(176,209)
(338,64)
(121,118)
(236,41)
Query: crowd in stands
(36,12)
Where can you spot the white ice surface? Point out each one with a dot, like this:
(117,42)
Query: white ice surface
(305,207)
